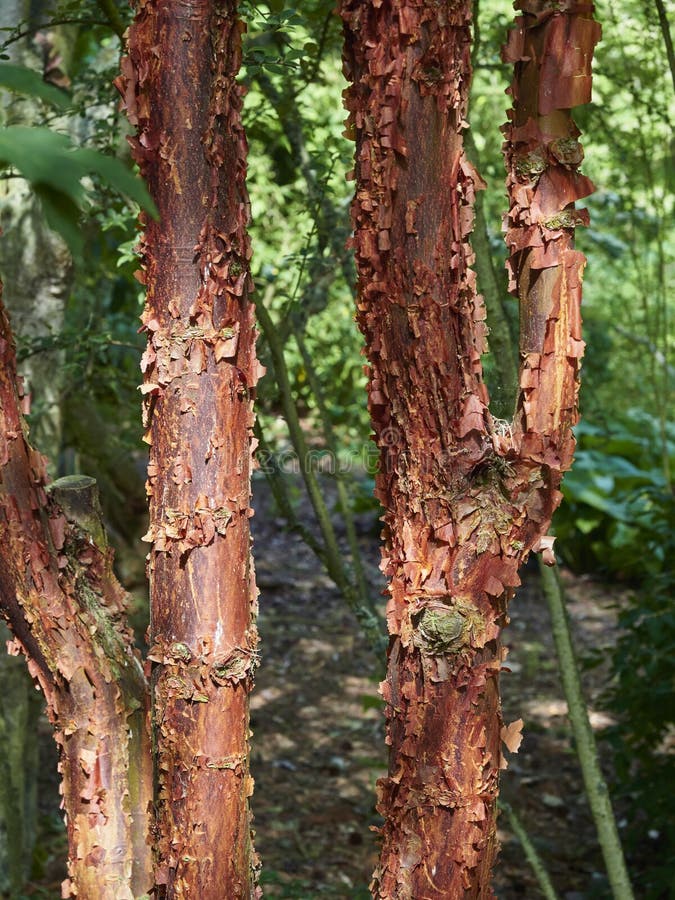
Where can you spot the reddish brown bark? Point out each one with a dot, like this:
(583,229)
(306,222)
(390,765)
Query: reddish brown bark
(466,497)
(552,50)
(200,374)
(66,610)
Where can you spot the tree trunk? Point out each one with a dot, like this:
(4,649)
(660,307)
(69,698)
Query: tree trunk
(66,611)
(466,497)
(200,374)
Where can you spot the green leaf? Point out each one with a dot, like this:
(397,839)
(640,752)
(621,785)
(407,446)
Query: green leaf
(22,80)
(117,176)
(43,156)
(63,216)
(55,170)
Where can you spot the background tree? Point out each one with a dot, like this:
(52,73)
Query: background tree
(38,272)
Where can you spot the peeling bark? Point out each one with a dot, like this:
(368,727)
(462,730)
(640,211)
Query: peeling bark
(467,497)
(66,611)
(200,373)
(551,49)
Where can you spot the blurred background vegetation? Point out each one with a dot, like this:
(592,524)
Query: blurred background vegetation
(617,520)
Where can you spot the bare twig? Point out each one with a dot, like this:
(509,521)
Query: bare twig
(586,748)
(667,38)
(530,851)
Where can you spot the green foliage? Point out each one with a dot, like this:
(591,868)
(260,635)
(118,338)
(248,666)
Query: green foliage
(92,198)
(618,504)
(619,519)
(85,15)
(300,204)
(631,242)
(274,45)
(102,428)
(55,169)
(23,80)
(642,697)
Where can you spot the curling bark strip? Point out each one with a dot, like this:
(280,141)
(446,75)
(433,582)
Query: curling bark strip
(466,496)
(200,371)
(551,47)
(67,613)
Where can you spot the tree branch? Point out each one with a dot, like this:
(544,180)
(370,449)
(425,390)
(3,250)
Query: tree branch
(112,14)
(545,271)
(667,38)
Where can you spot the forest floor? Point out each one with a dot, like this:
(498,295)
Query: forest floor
(318,732)
(318,744)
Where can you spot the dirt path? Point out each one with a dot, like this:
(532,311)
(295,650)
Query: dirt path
(318,733)
(318,743)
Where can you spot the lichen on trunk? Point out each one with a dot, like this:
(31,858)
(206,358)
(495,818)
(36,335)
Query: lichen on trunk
(466,496)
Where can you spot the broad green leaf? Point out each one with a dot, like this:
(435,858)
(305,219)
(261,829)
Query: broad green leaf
(62,215)
(117,176)
(43,156)
(584,493)
(55,170)
(22,80)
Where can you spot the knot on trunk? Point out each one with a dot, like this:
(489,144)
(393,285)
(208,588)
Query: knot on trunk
(439,629)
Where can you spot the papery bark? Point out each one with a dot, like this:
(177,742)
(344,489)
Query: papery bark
(200,372)
(551,49)
(466,497)
(66,611)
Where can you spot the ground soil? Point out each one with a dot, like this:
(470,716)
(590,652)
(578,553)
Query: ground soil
(318,735)
(318,731)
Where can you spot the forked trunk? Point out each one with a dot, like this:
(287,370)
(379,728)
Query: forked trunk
(466,496)
(200,374)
